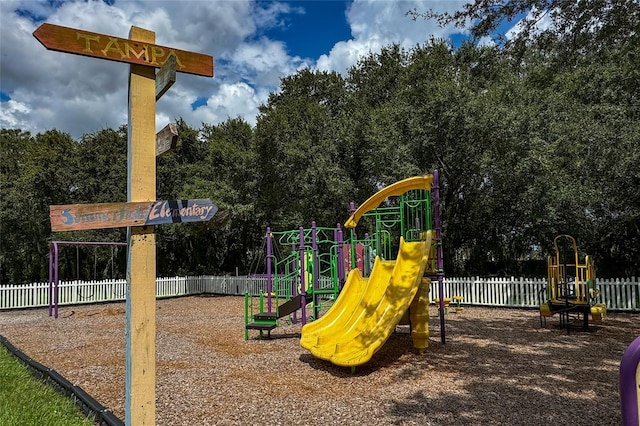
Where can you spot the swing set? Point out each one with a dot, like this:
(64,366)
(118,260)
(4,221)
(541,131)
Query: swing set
(54,257)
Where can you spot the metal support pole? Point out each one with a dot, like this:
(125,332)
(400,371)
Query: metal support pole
(316,267)
(439,255)
(340,240)
(302,272)
(269,276)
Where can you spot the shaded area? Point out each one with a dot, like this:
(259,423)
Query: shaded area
(525,375)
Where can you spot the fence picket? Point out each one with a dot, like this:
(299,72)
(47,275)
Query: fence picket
(617,294)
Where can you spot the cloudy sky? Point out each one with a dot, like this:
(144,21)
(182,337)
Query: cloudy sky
(254,45)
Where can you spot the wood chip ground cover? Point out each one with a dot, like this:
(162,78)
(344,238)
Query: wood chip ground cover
(497,367)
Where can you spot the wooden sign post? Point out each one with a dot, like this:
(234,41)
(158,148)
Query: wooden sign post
(75,217)
(134,50)
(144,55)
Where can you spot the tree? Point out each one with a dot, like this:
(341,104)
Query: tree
(214,162)
(300,173)
(100,167)
(580,24)
(35,174)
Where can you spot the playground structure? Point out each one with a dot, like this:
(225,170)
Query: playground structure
(571,286)
(457,300)
(307,276)
(396,291)
(303,270)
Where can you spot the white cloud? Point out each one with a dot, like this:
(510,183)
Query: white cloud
(231,101)
(80,95)
(264,62)
(14,115)
(376,23)
(543,24)
(346,54)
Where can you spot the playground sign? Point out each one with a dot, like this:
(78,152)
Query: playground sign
(75,217)
(145,88)
(80,42)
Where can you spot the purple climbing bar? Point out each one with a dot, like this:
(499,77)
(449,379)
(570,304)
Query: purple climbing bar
(316,272)
(353,262)
(340,265)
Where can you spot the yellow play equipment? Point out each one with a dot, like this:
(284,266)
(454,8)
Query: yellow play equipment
(457,300)
(571,286)
(368,308)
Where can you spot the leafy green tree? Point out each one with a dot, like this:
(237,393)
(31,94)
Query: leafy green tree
(300,178)
(582,24)
(35,174)
(99,170)
(101,167)
(214,162)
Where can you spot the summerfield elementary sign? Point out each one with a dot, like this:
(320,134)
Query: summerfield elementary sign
(75,217)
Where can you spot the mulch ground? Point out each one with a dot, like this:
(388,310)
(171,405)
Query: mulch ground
(498,367)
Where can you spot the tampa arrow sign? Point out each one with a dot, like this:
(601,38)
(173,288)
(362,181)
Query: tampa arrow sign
(70,40)
(75,217)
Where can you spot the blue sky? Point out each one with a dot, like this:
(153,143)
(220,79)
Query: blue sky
(254,43)
(326,18)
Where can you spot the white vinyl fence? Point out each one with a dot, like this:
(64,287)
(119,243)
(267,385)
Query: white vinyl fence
(618,294)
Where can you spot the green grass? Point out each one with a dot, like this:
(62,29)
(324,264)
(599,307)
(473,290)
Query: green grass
(26,401)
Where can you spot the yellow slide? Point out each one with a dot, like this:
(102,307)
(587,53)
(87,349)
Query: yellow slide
(398,188)
(367,310)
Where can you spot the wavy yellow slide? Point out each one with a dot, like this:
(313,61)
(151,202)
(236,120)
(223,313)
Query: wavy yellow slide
(368,309)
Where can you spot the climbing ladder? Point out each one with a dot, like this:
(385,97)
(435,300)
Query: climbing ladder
(267,321)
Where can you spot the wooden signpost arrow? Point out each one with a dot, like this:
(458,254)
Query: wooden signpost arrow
(141,52)
(166,139)
(76,217)
(144,56)
(166,76)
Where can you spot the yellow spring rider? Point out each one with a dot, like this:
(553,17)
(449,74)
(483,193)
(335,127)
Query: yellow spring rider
(571,286)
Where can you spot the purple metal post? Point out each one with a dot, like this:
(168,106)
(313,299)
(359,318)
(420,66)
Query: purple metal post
(628,384)
(340,256)
(294,267)
(292,280)
(269,276)
(303,292)
(353,256)
(53,254)
(316,267)
(365,255)
(54,283)
(439,257)
(335,240)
